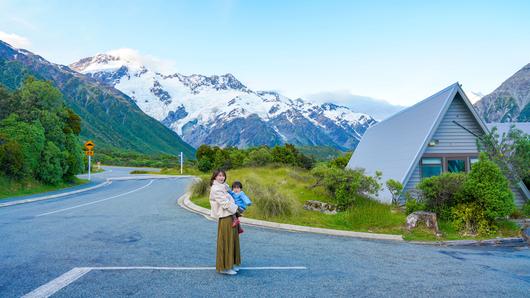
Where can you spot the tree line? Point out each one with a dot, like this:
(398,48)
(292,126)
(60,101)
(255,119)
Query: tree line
(39,135)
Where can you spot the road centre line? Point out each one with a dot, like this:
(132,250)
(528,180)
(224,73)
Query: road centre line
(94,202)
(71,276)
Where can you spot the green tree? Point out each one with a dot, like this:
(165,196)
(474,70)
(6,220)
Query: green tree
(50,170)
(29,136)
(395,188)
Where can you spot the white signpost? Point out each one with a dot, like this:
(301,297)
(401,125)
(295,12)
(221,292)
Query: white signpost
(181,162)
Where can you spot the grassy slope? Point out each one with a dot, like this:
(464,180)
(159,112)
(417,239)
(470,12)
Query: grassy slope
(10,188)
(365,216)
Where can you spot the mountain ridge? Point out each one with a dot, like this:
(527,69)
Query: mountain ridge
(109,116)
(221,110)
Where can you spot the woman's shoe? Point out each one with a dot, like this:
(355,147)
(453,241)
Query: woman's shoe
(236,268)
(228,272)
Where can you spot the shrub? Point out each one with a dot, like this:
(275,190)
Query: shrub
(269,202)
(395,188)
(488,187)
(441,193)
(413,205)
(344,185)
(50,170)
(201,188)
(341,161)
(471,219)
(259,157)
(12,160)
(204,165)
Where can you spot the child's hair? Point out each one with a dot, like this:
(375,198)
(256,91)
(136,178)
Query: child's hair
(237,184)
(215,173)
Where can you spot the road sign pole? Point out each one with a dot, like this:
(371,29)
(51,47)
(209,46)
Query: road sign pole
(89,165)
(181,162)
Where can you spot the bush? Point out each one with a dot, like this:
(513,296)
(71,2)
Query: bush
(12,160)
(441,193)
(395,188)
(341,161)
(259,157)
(269,202)
(413,205)
(471,219)
(488,187)
(50,170)
(344,185)
(201,188)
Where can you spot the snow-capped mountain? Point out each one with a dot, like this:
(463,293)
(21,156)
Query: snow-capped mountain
(220,110)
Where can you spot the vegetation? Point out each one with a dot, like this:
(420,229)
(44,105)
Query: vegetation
(511,153)
(320,153)
(38,135)
(13,188)
(279,193)
(209,158)
(111,119)
(472,202)
(134,159)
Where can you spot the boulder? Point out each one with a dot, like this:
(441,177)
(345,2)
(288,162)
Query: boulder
(326,208)
(525,233)
(427,218)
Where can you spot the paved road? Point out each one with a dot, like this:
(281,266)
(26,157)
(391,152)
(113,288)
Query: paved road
(133,224)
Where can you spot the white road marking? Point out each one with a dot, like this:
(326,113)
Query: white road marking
(71,276)
(60,282)
(98,201)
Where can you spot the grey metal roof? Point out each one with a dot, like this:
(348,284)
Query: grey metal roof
(394,145)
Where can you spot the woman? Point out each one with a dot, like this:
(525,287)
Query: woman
(223,207)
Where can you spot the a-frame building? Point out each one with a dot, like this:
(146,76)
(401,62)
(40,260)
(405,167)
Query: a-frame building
(434,136)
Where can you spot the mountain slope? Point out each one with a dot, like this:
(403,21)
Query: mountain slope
(110,118)
(220,110)
(510,102)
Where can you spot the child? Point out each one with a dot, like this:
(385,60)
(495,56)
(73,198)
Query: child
(242,202)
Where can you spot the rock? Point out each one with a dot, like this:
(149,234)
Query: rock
(326,208)
(428,218)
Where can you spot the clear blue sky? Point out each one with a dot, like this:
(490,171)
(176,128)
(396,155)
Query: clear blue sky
(401,51)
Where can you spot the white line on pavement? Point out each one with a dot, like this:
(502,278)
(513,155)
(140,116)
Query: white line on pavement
(98,201)
(71,276)
(60,282)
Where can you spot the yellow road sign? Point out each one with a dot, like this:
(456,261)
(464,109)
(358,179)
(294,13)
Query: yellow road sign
(89,153)
(89,145)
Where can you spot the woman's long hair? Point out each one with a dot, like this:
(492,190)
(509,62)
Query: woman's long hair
(214,175)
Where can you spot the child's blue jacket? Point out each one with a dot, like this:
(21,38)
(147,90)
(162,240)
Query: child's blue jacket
(241,199)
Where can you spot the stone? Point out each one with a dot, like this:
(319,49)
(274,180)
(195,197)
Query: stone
(326,208)
(525,233)
(427,218)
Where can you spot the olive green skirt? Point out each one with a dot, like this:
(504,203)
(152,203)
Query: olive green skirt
(227,245)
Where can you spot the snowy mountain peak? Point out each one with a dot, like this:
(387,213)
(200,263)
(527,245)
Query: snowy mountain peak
(220,110)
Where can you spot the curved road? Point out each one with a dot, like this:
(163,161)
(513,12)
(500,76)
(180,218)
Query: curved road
(131,239)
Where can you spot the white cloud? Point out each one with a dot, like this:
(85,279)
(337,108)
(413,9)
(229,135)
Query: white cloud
(15,40)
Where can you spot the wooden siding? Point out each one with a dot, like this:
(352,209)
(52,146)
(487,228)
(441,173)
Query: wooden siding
(413,181)
(453,138)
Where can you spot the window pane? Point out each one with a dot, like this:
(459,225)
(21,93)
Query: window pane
(429,171)
(473,160)
(431,161)
(456,165)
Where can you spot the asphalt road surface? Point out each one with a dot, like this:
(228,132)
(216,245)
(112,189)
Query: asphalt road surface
(130,238)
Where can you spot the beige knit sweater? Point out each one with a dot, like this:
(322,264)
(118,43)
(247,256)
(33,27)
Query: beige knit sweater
(221,202)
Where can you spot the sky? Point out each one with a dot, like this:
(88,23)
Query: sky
(398,51)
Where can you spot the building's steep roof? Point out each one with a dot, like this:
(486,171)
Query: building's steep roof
(394,145)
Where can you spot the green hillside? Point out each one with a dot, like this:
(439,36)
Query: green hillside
(110,118)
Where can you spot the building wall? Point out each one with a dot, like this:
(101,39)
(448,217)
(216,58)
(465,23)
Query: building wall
(451,137)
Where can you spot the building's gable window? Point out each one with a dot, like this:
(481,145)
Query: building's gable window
(431,166)
(456,165)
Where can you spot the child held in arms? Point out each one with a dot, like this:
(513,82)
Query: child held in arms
(242,202)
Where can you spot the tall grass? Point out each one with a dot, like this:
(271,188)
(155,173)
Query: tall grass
(268,200)
(201,188)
